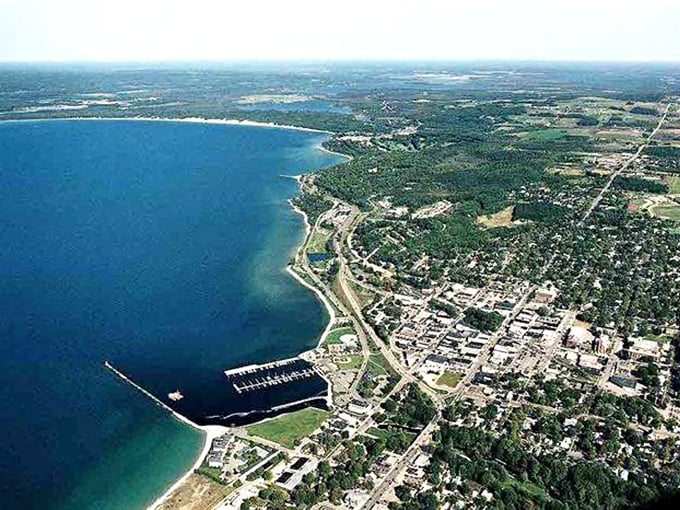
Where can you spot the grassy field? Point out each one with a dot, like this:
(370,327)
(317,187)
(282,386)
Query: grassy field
(387,433)
(378,433)
(669,212)
(366,297)
(206,470)
(673,184)
(569,171)
(377,365)
(450,379)
(317,243)
(334,335)
(288,428)
(658,338)
(545,135)
(528,487)
(351,362)
(639,202)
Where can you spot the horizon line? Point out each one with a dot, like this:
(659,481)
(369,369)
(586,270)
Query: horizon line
(348,60)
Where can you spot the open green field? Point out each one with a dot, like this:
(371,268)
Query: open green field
(450,379)
(289,428)
(376,432)
(528,487)
(317,242)
(669,212)
(502,218)
(351,362)
(377,365)
(545,135)
(334,335)
(673,185)
(204,469)
(639,202)
(366,297)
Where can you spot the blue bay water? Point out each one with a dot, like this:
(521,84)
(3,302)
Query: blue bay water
(158,246)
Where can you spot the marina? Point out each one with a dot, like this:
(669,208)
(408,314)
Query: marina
(258,377)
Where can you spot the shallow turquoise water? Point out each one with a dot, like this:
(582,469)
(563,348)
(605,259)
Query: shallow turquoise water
(159,246)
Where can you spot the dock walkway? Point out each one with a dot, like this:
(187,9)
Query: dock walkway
(257,377)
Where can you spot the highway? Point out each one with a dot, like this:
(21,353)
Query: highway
(626,165)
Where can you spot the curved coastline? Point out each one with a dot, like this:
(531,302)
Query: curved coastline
(194,120)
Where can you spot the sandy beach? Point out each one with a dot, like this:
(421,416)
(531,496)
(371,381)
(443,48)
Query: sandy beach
(211,432)
(196,120)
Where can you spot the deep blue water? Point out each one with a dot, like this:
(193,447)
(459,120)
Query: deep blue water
(157,246)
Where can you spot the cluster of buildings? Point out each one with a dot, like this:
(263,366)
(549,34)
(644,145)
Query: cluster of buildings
(236,457)
(339,360)
(289,474)
(336,215)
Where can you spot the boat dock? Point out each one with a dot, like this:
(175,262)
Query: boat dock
(259,377)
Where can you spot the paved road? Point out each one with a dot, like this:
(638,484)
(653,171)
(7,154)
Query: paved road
(626,165)
(406,459)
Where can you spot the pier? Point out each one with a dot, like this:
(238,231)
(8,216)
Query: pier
(162,404)
(259,377)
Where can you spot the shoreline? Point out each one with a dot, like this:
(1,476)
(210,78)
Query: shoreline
(209,432)
(329,151)
(290,269)
(212,431)
(191,120)
(199,120)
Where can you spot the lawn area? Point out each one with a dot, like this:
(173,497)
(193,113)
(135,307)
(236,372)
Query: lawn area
(669,212)
(639,202)
(317,242)
(569,171)
(528,487)
(204,469)
(673,183)
(376,432)
(334,335)
(351,362)
(377,365)
(288,428)
(545,135)
(658,338)
(365,296)
(397,440)
(450,379)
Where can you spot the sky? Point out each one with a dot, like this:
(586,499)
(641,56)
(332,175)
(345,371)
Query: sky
(227,30)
